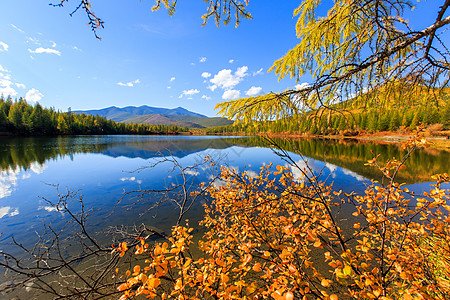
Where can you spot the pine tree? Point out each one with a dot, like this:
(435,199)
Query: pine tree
(372,122)
(415,121)
(15,117)
(394,122)
(383,122)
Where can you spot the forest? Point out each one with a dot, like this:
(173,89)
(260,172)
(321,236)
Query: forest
(364,114)
(20,118)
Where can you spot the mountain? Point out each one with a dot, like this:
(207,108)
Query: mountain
(121,114)
(158,119)
(157,116)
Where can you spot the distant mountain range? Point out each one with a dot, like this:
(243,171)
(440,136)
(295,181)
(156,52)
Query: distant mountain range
(157,115)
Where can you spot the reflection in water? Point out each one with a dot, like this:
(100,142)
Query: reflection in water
(8,211)
(8,177)
(353,154)
(31,153)
(8,180)
(102,167)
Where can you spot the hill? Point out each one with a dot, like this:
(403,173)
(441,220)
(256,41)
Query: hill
(121,114)
(158,119)
(184,121)
(157,116)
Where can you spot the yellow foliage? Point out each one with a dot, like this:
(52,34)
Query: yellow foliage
(265,239)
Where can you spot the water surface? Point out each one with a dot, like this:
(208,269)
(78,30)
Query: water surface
(103,168)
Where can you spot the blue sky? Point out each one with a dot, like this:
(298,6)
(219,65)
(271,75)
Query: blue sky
(144,58)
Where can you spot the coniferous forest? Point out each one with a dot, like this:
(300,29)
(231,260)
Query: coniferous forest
(20,118)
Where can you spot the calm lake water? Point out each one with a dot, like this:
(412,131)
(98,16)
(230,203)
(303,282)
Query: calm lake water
(103,168)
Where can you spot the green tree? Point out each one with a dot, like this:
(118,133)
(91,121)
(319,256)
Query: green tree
(395,121)
(444,117)
(415,121)
(37,118)
(62,124)
(4,111)
(15,117)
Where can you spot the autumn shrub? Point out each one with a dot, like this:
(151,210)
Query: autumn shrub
(277,236)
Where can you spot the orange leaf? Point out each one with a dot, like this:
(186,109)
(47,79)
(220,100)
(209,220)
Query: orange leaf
(257,267)
(136,270)
(289,296)
(123,287)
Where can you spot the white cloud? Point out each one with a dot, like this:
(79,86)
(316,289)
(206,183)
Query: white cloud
(206,75)
(331,167)
(253,91)
(3,69)
(3,47)
(8,211)
(37,168)
(33,40)
(301,86)
(76,48)
(129,84)
(231,95)
(192,172)
(128,178)
(231,61)
(5,80)
(202,59)
(20,85)
(17,28)
(169,87)
(217,182)
(242,71)
(34,168)
(259,72)
(353,174)
(252,174)
(45,50)
(212,88)
(172,79)
(297,170)
(206,97)
(48,208)
(226,80)
(33,95)
(189,92)
(53,44)
(8,90)
(8,180)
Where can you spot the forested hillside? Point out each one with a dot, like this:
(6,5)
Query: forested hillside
(20,118)
(371,112)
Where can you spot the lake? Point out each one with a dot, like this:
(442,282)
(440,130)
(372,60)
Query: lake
(117,177)
(103,168)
